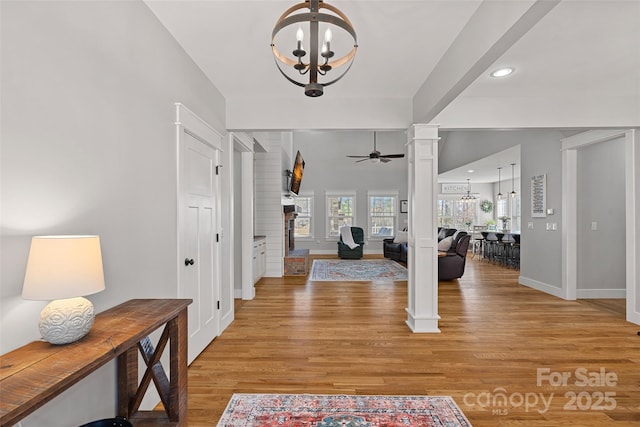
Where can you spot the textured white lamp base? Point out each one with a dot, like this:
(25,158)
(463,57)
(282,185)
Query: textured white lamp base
(64,321)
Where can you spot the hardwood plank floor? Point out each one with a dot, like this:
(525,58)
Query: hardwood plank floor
(351,338)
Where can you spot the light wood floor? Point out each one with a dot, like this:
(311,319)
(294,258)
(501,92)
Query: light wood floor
(351,338)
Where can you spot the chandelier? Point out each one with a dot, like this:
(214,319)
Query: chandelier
(320,62)
(468,197)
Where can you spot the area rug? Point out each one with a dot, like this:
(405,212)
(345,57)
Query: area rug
(289,410)
(348,270)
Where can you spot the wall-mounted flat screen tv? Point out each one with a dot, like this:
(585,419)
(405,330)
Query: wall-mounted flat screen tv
(296,174)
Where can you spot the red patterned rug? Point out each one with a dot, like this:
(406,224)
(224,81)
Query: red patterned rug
(289,410)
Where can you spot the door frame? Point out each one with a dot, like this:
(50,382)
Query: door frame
(189,123)
(243,143)
(570,147)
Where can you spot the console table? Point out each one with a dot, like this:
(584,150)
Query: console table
(32,375)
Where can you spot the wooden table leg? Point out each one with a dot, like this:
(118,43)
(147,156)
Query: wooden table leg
(178,335)
(127,380)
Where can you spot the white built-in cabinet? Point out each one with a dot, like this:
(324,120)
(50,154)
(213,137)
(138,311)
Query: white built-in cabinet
(259,257)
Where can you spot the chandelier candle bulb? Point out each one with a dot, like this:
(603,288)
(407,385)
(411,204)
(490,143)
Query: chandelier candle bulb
(326,47)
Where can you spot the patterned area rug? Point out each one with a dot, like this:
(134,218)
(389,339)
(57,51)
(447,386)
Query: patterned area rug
(349,270)
(289,410)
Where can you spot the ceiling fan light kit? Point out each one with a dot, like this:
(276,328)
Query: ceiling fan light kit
(320,59)
(375,156)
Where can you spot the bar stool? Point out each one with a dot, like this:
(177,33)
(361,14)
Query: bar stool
(489,243)
(501,249)
(478,242)
(515,251)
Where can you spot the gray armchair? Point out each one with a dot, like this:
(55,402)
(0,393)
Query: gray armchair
(345,252)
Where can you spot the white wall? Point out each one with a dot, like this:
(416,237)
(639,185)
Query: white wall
(269,215)
(601,199)
(88,146)
(328,169)
(541,264)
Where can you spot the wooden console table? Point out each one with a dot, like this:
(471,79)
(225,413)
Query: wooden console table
(32,375)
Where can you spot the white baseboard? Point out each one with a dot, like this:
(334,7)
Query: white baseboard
(601,293)
(580,293)
(541,286)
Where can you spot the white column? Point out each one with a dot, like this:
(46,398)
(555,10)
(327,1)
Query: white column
(248,290)
(422,258)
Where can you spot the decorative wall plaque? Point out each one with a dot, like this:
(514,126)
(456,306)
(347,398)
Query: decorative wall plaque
(454,188)
(539,196)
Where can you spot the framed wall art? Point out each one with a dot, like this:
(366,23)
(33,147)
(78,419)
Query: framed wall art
(539,196)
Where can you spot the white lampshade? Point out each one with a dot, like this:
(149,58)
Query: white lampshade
(63,267)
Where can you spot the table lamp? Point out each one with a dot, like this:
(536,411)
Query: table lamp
(64,269)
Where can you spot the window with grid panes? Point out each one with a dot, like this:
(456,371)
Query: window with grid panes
(304,219)
(382,215)
(340,212)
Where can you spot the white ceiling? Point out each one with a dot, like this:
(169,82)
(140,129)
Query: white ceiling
(579,64)
(230,41)
(485,170)
(585,51)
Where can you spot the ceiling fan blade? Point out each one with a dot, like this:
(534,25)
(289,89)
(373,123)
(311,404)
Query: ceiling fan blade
(392,156)
(384,160)
(363,160)
(359,157)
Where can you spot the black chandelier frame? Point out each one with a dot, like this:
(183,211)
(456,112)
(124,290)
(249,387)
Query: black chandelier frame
(313,88)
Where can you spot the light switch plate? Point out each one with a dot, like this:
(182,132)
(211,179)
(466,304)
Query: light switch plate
(530,225)
(594,226)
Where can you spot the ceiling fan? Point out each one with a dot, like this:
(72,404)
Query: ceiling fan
(375,155)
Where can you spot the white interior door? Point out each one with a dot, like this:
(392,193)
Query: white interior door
(199,231)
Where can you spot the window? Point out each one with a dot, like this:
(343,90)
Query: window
(502,213)
(515,214)
(502,207)
(382,215)
(455,213)
(304,220)
(341,210)
(509,207)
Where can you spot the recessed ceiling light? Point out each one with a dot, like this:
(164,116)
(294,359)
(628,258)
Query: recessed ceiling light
(471,170)
(502,72)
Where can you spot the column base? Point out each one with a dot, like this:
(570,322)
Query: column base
(422,324)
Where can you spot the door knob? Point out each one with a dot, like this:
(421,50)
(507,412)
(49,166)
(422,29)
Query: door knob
(188,261)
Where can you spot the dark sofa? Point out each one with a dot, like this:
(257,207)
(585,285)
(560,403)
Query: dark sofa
(452,265)
(398,251)
(395,251)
